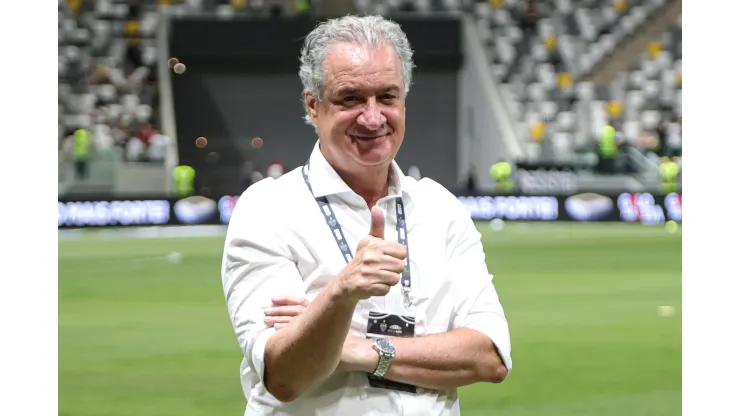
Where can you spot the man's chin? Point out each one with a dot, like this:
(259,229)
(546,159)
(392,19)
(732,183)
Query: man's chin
(372,159)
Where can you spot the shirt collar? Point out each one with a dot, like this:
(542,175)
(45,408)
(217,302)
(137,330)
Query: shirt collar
(326,181)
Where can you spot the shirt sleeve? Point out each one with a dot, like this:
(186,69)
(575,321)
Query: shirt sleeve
(257,265)
(477,305)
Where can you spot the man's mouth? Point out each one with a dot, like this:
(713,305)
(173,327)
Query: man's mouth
(367,138)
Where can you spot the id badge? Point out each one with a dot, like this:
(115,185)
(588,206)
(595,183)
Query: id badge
(383,325)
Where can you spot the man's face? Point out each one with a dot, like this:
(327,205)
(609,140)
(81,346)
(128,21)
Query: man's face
(362,116)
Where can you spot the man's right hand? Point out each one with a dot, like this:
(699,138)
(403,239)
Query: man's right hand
(377,264)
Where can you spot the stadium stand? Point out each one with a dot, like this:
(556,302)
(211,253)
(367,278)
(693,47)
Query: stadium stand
(543,56)
(542,51)
(107,79)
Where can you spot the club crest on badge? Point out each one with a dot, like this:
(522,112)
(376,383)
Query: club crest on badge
(396,329)
(383,326)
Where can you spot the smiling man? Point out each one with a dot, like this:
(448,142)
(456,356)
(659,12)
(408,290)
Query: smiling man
(352,288)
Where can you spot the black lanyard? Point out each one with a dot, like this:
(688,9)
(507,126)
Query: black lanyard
(336,231)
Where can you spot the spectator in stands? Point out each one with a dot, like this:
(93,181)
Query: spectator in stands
(146,131)
(135,149)
(528,21)
(158,147)
(100,115)
(673,138)
(120,134)
(661,133)
(646,142)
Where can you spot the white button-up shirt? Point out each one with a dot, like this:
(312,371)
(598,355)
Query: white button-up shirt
(278,244)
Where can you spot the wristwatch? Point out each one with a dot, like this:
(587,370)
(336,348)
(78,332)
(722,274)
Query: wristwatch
(387,352)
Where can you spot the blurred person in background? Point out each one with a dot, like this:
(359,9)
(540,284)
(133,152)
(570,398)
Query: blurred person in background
(82,148)
(529,18)
(398,325)
(120,134)
(158,147)
(673,138)
(501,175)
(146,132)
(275,170)
(135,149)
(471,184)
(184,177)
(608,150)
(661,134)
(669,170)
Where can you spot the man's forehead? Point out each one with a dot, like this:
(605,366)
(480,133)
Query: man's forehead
(352,66)
(359,53)
(347,57)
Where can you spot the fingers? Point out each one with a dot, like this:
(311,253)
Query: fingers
(390,248)
(394,249)
(389,278)
(379,289)
(379,283)
(281,320)
(292,310)
(382,262)
(289,300)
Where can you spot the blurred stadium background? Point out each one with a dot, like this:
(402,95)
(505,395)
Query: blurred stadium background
(557,122)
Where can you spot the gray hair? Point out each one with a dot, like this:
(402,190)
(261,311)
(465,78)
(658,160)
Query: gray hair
(365,30)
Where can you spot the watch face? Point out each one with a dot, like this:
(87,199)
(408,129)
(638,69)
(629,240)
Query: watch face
(386,346)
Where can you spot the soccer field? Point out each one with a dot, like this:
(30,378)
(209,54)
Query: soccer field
(140,335)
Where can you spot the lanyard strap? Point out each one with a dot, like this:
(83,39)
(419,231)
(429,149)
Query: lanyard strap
(336,231)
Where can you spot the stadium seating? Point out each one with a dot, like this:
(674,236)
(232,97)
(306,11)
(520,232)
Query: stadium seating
(107,73)
(540,55)
(540,64)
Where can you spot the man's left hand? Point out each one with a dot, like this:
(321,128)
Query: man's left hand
(357,353)
(283,310)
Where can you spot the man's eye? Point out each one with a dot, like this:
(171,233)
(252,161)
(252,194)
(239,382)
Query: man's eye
(349,99)
(388,97)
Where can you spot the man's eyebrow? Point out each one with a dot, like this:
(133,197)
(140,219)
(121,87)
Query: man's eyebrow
(352,90)
(347,91)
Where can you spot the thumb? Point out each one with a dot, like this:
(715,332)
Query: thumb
(377,222)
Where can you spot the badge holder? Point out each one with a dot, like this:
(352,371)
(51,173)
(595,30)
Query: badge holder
(381,325)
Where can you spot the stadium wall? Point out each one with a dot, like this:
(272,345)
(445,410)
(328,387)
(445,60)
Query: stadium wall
(241,82)
(107,211)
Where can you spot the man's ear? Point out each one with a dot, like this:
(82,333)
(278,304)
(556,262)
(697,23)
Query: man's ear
(311,106)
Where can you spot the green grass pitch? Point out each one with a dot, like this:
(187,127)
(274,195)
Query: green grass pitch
(141,336)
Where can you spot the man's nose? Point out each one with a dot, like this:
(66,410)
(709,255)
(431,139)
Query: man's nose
(371,118)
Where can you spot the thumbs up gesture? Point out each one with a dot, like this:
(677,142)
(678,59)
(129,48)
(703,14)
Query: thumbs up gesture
(377,264)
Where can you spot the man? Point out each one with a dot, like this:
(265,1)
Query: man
(352,289)
(83,144)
